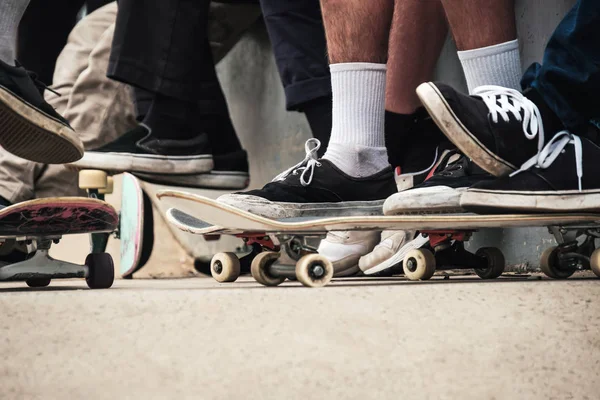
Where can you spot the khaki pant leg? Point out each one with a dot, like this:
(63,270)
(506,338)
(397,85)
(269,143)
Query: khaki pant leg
(73,59)
(99,109)
(17,177)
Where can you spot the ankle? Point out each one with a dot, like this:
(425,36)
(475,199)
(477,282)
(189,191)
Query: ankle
(170,118)
(318,114)
(398,132)
(221,132)
(357,161)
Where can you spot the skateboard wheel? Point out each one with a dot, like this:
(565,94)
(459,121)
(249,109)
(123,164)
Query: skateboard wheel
(38,282)
(550,265)
(260,269)
(495,262)
(419,264)
(101,272)
(314,270)
(225,267)
(92,179)
(110,186)
(595,262)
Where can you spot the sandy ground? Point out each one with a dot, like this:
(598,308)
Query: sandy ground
(194,338)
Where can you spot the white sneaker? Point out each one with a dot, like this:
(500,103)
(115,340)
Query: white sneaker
(345,248)
(391,251)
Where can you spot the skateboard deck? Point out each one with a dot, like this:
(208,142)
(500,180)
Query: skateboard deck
(212,217)
(28,229)
(286,239)
(57,216)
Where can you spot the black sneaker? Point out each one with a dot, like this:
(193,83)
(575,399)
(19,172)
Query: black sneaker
(316,187)
(229,173)
(416,149)
(498,128)
(441,192)
(562,178)
(138,151)
(29,127)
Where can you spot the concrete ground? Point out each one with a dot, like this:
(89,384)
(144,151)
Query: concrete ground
(514,338)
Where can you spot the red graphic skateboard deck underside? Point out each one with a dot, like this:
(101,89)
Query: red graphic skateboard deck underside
(57,216)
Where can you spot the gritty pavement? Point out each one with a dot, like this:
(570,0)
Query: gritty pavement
(462,338)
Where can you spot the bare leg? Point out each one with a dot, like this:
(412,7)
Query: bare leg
(418,32)
(357,34)
(481,23)
(357,30)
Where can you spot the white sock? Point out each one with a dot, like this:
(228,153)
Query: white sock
(499,65)
(357,144)
(11,12)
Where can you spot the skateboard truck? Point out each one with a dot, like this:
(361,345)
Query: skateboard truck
(276,258)
(447,251)
(40,268)
(576,251)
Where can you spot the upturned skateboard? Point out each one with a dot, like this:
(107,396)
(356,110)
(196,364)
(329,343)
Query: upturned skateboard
(136,221)
(289,238)
(28,229)
(136,227)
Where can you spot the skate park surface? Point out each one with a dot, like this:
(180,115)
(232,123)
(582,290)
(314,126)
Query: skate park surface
(194,338)
(173,333)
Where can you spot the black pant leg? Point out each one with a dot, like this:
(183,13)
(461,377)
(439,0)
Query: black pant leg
(298,37)
(159,46)
(43,33)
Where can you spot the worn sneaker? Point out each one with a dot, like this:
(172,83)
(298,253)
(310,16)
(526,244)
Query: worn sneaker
(498,128)
(29,127)
(345,248)
(391,251)
(440,193)
(316,187)
(428,147)
(562,178)
(229,173)
(138,151)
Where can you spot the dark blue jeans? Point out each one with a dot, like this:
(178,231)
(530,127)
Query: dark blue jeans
(298,39)
(569,77)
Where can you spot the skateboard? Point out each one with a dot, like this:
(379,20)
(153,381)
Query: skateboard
(136,221)
(28,229)
(288,240)
(136,227)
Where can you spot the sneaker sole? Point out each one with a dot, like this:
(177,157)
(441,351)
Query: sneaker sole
(278,210)
(424,201)
(148,163)
(29,133)
(229,180)
(482,201)
(398,257)
(453,128)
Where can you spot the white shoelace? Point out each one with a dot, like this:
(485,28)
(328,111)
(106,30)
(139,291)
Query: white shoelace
(552,150)
(307,166)
(496,98)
